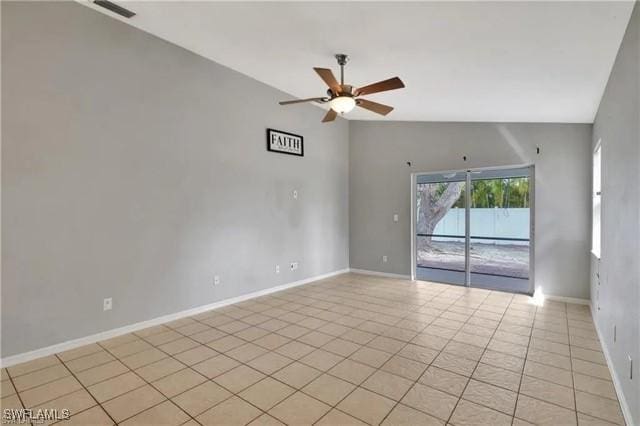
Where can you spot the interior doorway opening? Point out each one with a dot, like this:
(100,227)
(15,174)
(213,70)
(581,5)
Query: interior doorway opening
(474,228)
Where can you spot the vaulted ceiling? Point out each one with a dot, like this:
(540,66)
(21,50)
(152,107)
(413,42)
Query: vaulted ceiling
(533,61)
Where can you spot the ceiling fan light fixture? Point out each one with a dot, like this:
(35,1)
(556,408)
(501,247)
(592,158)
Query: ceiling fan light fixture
(342,98)
(342,104)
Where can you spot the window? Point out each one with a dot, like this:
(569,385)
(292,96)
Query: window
(597,200)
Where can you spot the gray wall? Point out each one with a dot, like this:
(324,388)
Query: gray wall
(616,300)
(380,187)
(137,170)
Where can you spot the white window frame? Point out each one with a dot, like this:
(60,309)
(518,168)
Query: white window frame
(596,193)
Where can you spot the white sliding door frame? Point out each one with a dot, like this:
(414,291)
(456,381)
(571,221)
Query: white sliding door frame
(413,239)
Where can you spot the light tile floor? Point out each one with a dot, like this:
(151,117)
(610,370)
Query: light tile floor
(349,350)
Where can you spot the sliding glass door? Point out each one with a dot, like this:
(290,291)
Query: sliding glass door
(441,227)
(499,225)
(473,228)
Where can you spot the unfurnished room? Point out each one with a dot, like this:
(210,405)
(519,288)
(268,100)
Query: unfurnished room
(320,213)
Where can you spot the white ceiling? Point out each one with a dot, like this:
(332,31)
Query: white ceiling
(461,61)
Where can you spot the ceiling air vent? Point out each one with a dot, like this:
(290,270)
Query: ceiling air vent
(115,8)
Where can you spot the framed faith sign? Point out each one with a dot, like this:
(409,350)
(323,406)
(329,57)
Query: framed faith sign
(285,143)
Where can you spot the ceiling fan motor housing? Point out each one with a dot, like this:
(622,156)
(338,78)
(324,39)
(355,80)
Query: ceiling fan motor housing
(345,90)
(342,59)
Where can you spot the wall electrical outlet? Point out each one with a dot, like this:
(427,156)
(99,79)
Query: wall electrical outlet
(384,259)
(216,280)
(295,194)
(107,304)
(395,217)
(277,269)
(294,266)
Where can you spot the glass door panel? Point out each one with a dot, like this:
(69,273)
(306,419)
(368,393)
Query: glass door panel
(441,228)
(499,225)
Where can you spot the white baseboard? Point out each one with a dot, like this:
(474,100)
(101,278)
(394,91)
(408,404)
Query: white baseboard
(624,406)
(76,343)
(564,299)
(379,274)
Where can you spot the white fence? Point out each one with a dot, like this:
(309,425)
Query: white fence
(496,222)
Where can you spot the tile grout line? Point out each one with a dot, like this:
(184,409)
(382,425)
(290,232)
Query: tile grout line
(443,349)
(354,307)
(573,382)
(358,386)
(140,387)
(431,363)
(322,372)
(212,379)
(85,387)
(478,362)
(522,373)
(572,387)
(586,374)
(417,380)
(396,353)
(284,367)
(86,390)
(109,378)
(232,394)
(380,368)
(15,389)
(336,337)
(360,345)
(301,336)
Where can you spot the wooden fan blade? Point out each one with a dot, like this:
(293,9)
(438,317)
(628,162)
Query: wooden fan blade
(327,76)
(331,115)
(374,106)
(381,86)
(298,101)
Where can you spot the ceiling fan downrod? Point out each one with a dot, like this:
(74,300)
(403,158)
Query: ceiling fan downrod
(342,61)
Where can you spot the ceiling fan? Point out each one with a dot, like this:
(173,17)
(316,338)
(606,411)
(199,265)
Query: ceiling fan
(342,98)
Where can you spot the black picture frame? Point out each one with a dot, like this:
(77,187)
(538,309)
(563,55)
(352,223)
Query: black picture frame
(270,131)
